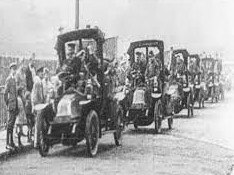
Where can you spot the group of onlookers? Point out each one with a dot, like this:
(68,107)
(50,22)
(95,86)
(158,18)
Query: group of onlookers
(25,87)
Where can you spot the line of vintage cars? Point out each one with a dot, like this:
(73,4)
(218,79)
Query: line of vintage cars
(156,88)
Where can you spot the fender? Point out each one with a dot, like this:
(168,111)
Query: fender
(210,85)
(156,95)
(40,107)
(84,102)
(187,89)
(119,96)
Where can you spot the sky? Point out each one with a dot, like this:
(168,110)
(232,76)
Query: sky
(203,25)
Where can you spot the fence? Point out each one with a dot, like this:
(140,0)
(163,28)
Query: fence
(6,61)
(3,109)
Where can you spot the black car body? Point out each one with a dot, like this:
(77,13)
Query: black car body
(85,114)
(147,101)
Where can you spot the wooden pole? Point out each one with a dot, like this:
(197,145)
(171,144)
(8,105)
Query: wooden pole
(77,15)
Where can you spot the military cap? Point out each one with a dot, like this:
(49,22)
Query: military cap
(46,70)
(138,53)
(13,65)
(72,45)
(151,53)
(41,69)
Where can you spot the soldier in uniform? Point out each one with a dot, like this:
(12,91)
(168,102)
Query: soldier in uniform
(37,98)
(10,97)
(72,64)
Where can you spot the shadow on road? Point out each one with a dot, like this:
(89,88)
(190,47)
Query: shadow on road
(181,116)
(80,151)
(143,131)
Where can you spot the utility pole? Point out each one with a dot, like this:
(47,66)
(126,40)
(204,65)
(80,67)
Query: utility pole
(77,14)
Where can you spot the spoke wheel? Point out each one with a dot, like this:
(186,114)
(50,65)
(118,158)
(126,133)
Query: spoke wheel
(119,127)
(158,117)
(190,105)
(135,126)
(43,143)
(170,122)
(200,98)
(92,133)
(212,95)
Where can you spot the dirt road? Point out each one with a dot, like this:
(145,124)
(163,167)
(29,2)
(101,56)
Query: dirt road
(200,145)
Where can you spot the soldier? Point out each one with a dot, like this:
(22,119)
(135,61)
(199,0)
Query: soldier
(73,64)
(10,98)
(151,66)
(93,66)
(30,74)
(37,98)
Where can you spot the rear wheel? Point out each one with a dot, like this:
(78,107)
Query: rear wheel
(170,122)
(43,143)
(92,133)
(190,105)
(158,116)
(212,94)
(119,127)
(135,126)
(200,99)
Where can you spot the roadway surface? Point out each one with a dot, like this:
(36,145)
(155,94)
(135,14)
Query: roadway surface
(203,145)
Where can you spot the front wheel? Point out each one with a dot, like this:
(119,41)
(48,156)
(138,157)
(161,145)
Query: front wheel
(200,98)
(190,105)
(158,117)
(92,133)
(135,126)
(170,122)
(43,143)
(119,127)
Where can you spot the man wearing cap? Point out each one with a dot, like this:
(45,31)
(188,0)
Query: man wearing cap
(151,66)
(37,98)
(92,64)
(30,74)
(10,98)
(73,63)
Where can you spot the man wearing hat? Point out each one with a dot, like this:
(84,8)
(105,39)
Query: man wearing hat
(30,73)
(10,98)
(37,98)
(151,66)
(73,62)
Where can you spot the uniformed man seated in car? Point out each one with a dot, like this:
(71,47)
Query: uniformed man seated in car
(72,65)
(180,73)
(92,67)
(137,71)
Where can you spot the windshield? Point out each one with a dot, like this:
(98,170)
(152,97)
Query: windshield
(177,64)
(148,60)
(74,47)
(207,65)
(193,65)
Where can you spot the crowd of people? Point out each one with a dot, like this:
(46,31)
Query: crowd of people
(26,87)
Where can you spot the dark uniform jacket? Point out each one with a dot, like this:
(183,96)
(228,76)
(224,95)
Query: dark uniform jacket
(29,79)
(10,94)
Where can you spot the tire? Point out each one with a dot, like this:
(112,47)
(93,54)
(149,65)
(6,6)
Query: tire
(158,117)
(170,122)
(189,105)
(119,127)
(135,126)
(200,99)
(212,95)
(92,133)
(43,143)
(203,103)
